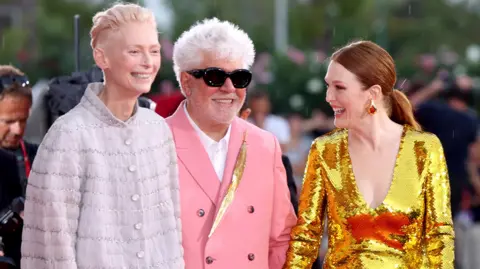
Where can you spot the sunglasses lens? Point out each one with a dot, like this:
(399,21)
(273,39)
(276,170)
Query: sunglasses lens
(241,78)
(7,81)
(215,77)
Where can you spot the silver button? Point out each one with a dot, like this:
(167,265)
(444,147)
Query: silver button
(140,254)
(132,168)
(138,226)
(128,142)
(135,197)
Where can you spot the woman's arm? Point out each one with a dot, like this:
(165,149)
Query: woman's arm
(439,231)
(306,235)
(52,203)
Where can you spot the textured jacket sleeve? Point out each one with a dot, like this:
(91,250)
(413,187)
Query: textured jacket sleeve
(438,219)
(174,177)
(52,203)
(307,234)
(283,217)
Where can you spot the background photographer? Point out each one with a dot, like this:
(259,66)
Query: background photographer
(16,155)
(15,104)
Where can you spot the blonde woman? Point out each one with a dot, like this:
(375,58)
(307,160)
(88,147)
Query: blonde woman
(103,191)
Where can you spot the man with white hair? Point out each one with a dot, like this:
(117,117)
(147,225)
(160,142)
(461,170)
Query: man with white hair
(235,203)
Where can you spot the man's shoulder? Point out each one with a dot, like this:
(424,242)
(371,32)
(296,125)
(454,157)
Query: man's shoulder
(32,148)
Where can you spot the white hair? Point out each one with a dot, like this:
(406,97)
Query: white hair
(212,37)
(117,15)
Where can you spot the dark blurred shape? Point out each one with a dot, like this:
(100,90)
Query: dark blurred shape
(65,92)
(456,130)
(10,188)
(146,103)
(455,93)
(10,220)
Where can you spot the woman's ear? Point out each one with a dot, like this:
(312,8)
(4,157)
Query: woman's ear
(100,58)
(375,92)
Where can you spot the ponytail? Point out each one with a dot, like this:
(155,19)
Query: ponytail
(402,112)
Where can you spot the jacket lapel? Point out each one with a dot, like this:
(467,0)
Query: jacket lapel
(192,154)
(236,139)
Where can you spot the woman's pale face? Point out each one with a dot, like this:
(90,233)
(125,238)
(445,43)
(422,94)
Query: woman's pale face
(133,57)
(346,95)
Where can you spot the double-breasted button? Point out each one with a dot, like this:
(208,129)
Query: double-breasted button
(135,197)
(140,254)
(201,212)
(128,142)
(132,168)
(251,257)
(209,260)
(138,226)
(251,209)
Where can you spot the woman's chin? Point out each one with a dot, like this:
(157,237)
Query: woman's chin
(340,123)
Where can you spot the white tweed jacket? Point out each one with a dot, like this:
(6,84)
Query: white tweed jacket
(103,193)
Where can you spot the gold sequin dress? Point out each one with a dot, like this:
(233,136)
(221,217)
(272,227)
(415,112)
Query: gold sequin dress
(411,229)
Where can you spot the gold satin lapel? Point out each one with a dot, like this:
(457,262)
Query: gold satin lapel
(236,178)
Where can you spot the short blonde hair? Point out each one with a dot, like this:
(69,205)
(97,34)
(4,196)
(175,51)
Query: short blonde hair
(115,16)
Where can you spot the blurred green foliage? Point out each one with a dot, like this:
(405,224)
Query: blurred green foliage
(406,28)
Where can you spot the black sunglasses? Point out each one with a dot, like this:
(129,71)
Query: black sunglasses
(9,80)
(215,77)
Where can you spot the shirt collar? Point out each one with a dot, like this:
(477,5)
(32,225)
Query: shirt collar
(206,140)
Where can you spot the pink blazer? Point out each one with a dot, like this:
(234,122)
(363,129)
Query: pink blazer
(255,230)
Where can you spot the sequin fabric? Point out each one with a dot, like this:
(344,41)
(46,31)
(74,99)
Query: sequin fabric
(412,228)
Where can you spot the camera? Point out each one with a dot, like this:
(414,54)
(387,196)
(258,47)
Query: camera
(10,222)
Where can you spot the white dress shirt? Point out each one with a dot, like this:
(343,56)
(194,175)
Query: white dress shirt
(217,151)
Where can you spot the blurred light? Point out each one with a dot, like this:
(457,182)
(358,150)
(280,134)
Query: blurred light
(473,53)
(315,86)
(297,101)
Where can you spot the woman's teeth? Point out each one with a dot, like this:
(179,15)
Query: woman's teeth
(339,110)
(141,76)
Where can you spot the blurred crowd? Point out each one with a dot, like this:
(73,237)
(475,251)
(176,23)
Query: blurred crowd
(443,103)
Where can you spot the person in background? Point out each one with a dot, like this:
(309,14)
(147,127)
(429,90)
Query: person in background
(10,188)
(236,209)
(457,129)
(15,104)
(261,116)
(104,190)
(382,181)
(469,228)
(298,146)
(292,186)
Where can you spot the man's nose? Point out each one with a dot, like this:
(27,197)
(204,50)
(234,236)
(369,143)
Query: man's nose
(16,128)
(228,86)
